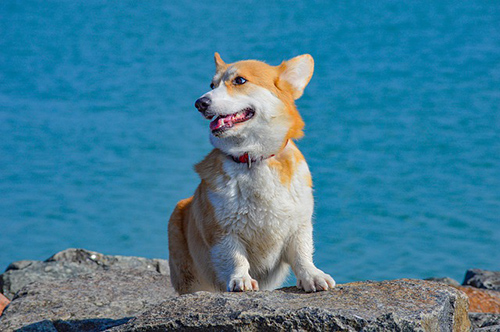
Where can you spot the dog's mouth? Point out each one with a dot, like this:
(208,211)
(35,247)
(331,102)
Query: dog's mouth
(223,123)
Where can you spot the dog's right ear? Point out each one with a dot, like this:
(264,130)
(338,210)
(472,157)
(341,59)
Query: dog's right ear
(219,63)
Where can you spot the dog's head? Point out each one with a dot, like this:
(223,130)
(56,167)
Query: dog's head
(252,106)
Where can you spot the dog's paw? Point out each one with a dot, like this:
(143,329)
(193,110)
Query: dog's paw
(315,281)
(242,283)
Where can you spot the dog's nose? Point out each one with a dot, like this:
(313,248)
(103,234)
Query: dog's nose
(202,104)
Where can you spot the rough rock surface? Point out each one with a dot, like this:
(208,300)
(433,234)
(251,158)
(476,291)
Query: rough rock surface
(399,305)
(80,290)
(71,263)
(485,322)
(445,280)
(89,302)
(482,279)
(3,303)
(116,289)
(482,300)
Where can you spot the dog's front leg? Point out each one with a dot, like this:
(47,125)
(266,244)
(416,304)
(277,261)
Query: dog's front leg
(231,265)
(299,255)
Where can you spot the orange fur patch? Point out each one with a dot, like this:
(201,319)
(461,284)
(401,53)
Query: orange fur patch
(286,163)
(180,261)
(309,180)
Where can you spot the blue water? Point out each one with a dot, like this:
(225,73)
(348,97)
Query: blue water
(98,133)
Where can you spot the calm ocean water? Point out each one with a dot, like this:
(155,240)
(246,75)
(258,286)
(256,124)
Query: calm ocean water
(98,133)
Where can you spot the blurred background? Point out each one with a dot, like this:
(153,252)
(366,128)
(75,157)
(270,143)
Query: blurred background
(99,135)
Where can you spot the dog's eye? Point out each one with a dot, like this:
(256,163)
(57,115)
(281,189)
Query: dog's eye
(239,80)
(212,86)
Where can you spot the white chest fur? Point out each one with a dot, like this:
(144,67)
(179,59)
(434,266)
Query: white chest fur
(254,202)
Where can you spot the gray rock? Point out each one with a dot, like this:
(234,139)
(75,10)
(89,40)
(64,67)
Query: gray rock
(80,290)
(445,280)
(484,321)
(90,302)
(19,265)
(94,260)
(482,279)
(71,263)
(399,305)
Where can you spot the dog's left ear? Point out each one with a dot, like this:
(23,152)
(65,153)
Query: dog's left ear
(219,63)
(297,72)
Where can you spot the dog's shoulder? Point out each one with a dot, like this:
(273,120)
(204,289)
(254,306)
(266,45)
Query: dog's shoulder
(289,164)
(211,167)
(178,215)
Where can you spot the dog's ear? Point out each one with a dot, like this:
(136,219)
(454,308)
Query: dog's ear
(297,72)
(219,63)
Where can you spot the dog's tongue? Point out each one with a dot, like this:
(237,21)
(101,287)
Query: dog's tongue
(220,122)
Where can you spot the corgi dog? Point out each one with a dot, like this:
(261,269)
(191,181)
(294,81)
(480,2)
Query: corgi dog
(249,220)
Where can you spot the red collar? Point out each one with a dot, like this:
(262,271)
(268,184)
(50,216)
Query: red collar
(245,159)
